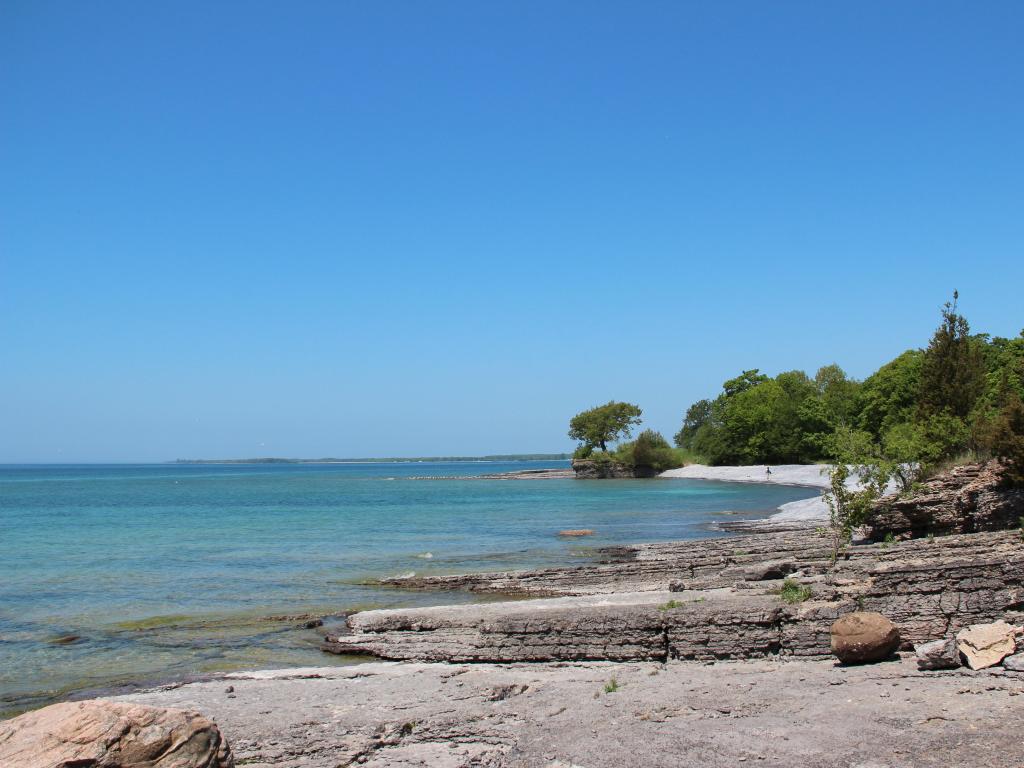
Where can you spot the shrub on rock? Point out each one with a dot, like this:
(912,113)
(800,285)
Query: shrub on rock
(864,636)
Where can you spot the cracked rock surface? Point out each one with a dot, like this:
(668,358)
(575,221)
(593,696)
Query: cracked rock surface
(770,712)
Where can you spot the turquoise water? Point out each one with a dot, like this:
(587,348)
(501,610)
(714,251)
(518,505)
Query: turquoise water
(118,574)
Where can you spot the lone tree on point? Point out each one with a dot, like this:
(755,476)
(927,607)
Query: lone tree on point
(604,424)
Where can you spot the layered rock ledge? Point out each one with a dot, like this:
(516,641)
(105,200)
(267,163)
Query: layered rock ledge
(967,499)
(714,599)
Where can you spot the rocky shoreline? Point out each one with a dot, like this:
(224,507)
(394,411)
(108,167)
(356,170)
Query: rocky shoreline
(704,600)
(710,652)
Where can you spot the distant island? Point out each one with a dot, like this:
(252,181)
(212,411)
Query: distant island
(389,460)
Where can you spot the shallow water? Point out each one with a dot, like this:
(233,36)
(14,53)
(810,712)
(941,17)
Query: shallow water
(114,574)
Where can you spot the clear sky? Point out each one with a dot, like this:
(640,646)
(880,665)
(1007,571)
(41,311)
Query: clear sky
(402,228)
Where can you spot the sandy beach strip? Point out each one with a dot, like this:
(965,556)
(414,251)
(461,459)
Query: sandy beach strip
(808,475)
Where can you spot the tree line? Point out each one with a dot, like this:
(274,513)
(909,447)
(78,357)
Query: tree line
(961,396)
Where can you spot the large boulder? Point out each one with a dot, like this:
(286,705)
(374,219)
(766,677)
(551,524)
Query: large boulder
(985,645)
(864,636)
(110,734)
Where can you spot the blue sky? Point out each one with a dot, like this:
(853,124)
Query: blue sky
(400,228)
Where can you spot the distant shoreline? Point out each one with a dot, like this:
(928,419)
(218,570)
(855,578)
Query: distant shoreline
(389,460)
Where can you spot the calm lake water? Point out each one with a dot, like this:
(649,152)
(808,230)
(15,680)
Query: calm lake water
(166,571)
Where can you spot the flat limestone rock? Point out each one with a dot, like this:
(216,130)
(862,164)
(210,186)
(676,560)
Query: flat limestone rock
(985,645)
(722,715)
(651,626)
(110,734)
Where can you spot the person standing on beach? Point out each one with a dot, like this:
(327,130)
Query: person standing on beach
(768,470)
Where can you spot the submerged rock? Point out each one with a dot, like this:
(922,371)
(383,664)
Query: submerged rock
(864,636)
(108,734)
(985,645)
(67,640)
(938,654)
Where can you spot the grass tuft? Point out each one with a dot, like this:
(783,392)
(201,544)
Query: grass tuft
(793,591)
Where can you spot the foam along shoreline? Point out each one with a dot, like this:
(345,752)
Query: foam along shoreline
(813,510)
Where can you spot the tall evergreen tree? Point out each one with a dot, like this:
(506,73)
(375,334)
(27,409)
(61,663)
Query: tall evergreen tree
(953,369)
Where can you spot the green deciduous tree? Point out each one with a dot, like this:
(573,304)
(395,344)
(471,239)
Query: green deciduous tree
(889,395)
(926,441)
(697,415)
(743,382)
(837,394)
(757,419)
(849,509)
(1008,438)
(607,423)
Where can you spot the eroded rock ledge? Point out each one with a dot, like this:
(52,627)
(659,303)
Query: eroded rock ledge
(966,499)
(588,469)
(714,599)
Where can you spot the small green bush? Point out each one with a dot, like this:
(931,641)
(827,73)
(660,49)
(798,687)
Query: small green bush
(670,605)
(583,452)
(598,457)
(611,686)
(649,449)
